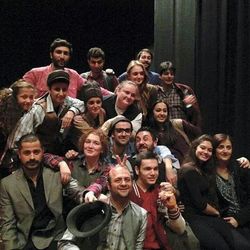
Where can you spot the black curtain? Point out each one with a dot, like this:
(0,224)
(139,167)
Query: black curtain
(220,55)
(223,68)
(121,28)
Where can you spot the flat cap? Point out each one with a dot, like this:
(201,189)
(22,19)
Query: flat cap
(57,76)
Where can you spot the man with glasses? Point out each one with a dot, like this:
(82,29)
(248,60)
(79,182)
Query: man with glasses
(120,143)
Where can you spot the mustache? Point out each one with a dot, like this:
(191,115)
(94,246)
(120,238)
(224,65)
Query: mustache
(33,162)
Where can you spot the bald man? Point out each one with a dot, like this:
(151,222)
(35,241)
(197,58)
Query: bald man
(126,229)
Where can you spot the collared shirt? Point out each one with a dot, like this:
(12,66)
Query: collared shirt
(103,79)
(35,116)
(164,152)
(129,151)
(149,202)
(79,170)
(42,213)
(38,77)
(83,175)
(177,107)
(115,239)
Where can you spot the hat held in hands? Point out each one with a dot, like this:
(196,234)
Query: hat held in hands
(88,219)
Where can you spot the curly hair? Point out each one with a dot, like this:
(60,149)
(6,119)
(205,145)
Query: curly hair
(100,134)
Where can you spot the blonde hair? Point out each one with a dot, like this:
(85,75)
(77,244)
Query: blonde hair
(20,84)
(134,63)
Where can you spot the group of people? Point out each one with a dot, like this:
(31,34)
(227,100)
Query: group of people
(132,142)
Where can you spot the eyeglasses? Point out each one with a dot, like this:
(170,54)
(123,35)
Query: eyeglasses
(120,130)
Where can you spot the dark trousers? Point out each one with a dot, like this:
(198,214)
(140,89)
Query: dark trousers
(215,234)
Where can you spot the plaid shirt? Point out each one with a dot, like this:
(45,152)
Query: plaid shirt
(103,79)
(115,238)
(177,108)
(121,233)
(79,170)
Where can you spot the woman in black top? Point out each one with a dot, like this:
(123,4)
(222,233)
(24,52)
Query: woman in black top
(175,133)
(233,185)
(197,188)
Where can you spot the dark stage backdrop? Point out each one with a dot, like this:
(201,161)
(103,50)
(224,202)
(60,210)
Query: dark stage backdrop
(208,40)
(120,27)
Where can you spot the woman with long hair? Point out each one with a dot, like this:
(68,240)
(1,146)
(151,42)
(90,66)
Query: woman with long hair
(197,188)
(14,102)
(233,185)
(148,93)
(176,134)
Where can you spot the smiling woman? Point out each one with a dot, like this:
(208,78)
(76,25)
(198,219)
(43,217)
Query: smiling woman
(197,186)
(233,185)
(14,102)
(148,93)
(176,134)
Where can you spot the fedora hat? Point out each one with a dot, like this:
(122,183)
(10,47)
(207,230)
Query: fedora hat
(88,219)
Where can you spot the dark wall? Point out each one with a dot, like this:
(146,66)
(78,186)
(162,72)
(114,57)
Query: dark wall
(121,28)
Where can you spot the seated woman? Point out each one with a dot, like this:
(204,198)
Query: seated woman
(233,186)
(175,134)
(197,192)
(90,163)
(86,167)
(14,102)
(148,93)
(93,116)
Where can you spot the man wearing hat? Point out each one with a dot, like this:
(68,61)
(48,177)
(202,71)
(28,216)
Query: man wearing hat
(126,228)
(120,132)
(51,114)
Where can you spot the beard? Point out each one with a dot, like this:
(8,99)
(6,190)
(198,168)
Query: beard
(58,64)
(144,148)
